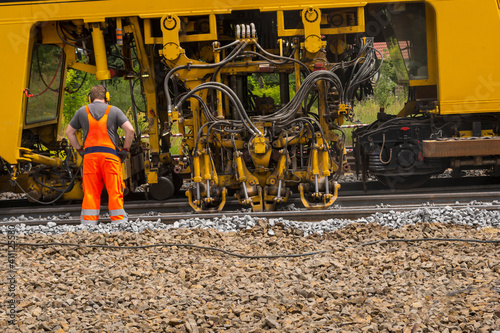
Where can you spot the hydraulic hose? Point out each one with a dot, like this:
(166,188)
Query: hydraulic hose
(232,56)
(308,71)
(227,46)
(232,97)
(287,112)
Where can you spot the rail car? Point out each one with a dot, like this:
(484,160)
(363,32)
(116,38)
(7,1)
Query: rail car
(195,64)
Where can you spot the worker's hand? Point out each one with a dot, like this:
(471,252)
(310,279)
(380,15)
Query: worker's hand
(81,151)
(123,153)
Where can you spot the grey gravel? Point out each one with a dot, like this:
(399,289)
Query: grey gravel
(470,216)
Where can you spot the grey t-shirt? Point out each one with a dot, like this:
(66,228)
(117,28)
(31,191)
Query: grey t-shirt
(116,118)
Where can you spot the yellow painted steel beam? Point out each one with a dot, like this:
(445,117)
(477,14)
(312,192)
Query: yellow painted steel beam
(210,36)
(360,27)
(101,60)
(147,77)
(217,58)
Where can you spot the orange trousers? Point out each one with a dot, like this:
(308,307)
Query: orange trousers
(102,169)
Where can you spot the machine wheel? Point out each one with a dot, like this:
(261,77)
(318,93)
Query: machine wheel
(403,182)
(162,190)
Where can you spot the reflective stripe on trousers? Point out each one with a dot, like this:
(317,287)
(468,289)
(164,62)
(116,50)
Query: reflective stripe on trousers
(101,169)
(92,215)
(89,215)
(118,215)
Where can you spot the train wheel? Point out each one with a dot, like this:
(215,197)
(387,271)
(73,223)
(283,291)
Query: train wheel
(162,190)
(403,182)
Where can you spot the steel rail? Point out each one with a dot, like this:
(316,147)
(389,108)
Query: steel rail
(302,215)
(346,208)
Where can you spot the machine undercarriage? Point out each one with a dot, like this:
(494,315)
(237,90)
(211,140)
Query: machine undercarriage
(405,152)
(196,72)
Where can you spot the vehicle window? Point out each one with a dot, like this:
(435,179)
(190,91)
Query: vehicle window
(45,81)
(407,33)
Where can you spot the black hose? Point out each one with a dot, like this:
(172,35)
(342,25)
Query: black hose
(79,87)
(232,97)
(235,52)
(70,185)
(71,38)
(66,42)
(308,71)
(226,46)
(284,115)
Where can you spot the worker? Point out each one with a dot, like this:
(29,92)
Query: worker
(101,154)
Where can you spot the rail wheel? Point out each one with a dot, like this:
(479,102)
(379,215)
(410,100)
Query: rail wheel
(162,190)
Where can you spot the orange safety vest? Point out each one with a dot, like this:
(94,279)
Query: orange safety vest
(101,166)
(97,136)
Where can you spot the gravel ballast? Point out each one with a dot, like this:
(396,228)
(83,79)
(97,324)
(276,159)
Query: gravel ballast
(394,219)
(385,287)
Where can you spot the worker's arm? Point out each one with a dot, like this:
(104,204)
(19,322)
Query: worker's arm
(129,134)
(71,134)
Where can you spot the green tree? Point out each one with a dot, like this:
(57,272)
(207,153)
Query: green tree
(269,85)
(384,89)
(78,85)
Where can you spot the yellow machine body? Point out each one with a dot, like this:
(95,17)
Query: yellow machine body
(252,148)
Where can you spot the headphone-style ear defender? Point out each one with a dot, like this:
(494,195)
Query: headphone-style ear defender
(107,96)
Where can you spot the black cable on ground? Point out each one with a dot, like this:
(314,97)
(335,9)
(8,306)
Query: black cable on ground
(404,240)
(200,247)
(244,256)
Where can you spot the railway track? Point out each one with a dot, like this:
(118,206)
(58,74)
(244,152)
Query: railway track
(353,202)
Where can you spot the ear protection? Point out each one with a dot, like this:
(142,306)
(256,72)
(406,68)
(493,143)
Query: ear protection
(106,97)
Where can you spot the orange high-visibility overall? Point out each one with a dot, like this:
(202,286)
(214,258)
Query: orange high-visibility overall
(101,165)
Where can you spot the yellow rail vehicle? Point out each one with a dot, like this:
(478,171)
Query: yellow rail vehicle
(195,63)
